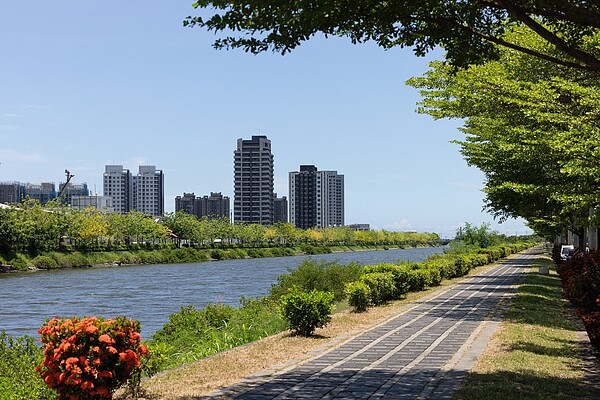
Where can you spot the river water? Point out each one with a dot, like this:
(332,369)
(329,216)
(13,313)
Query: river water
(150,293)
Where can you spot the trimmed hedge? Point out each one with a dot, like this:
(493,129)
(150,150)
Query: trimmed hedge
(387,281)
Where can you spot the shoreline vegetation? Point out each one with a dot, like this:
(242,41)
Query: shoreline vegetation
(100,259)
(33,236)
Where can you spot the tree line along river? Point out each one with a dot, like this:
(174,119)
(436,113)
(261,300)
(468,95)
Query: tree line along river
(150,293)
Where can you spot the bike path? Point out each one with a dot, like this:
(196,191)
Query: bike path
(422,353)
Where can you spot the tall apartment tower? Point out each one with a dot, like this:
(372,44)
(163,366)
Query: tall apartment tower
(316,198)
(149,191)
(253,181)
(118,185)
(214,206)
(280,209)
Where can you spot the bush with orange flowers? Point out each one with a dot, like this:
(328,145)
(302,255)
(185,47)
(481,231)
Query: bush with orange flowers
(89,358)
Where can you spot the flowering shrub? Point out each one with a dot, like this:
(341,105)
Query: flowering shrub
(89,358)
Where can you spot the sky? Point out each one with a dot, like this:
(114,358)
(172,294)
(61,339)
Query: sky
(85,84)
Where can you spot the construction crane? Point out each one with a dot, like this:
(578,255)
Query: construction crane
(69,177)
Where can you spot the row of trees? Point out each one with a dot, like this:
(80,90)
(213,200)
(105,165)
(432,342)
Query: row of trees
(31,228)
(533,128)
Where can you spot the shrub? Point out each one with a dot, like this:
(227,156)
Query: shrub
(399,273)
(305,311)
(20,262)
(358,295)
(381,286)
(18,379)
(581,285)
(44,262)
(326,276)
(218,254)
(89,358)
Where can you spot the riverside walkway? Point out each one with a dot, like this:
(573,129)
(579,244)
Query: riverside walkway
(422,353)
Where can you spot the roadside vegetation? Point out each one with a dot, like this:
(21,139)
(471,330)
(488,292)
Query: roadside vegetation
(535,354)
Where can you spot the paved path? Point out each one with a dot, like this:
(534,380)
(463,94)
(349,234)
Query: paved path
(423,353)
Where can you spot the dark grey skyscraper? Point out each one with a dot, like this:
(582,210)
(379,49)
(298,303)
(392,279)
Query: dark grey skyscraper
(253,181)
(316,198)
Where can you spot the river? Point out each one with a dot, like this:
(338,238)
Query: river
(150,293)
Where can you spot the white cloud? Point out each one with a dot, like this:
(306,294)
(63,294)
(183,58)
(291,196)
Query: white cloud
(14,155)
(398,226)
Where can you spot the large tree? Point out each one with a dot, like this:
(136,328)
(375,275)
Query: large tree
(531,126)
(468,30)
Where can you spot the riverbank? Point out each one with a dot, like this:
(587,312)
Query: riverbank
(60,260)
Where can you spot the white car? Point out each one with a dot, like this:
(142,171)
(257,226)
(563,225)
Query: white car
(566,251)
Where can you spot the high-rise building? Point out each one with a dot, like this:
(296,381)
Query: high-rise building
(214,206)
(280,208)
(253,181)
(149,191)
(11,192)
(186,203)
(144,192)
(118,185)
(316,198)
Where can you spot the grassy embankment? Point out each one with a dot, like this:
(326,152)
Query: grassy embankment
(535,354)
(76,259)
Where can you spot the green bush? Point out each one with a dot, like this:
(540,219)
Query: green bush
(20,262)
(381,286)
(43,262)
(217,254)
(358,295)
(325,276)
(305,311)
(400,274)
(18,380)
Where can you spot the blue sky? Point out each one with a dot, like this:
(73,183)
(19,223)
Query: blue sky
(84,84)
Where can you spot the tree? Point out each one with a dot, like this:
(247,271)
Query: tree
(532,128)
(468,30)
(87,226)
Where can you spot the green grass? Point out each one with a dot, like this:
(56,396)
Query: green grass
(535,353)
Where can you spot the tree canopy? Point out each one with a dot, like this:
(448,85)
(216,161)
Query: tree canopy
(469,31)
(531,126)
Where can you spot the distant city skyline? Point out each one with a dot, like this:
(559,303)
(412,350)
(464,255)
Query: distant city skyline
(78,96)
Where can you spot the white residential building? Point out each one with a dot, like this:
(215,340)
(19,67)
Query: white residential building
(118,185)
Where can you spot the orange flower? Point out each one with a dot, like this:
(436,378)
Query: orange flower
(106,339)
(87,385)
(105,374)
(143,349)
(91,329)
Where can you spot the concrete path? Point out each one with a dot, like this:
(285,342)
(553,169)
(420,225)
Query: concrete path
(423,353)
